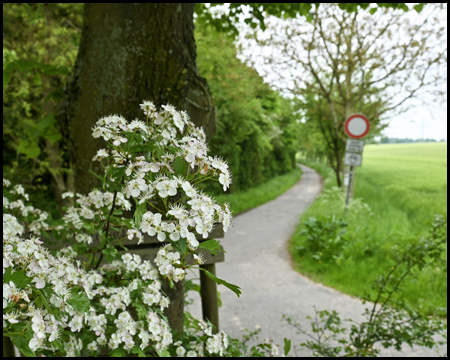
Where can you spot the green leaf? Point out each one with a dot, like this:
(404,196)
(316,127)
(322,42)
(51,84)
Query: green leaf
(23,145)
(54,137)
(287,346)
(44,301)
(21,343)
(33,151)
(190,285)
(39,302)
(179,166)
(58,344)
(110,252)
(51,69)
(172,149)
(18,278)
(102,240)
(180,245)
(45,122)
(7,275)
(22,65)
(118,172)
(141,311)
(6,77)
(20,327)
(147,148)
(211,245)
(162,353)
(236,289)
(137,350)
(117,353)
(419,7)
(78,300)
(140,210)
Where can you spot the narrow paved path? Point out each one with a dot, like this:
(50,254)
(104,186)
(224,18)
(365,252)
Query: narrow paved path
(258,260)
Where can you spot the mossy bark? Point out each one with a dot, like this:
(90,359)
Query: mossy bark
(129,53)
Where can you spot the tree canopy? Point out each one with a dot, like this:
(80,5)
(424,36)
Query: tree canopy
(340,63)
(255,14)
(256,129)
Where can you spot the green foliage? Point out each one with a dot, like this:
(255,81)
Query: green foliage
(40,44)
(384,325)
(397,191)
(225,21)
(234,288)
(287,346)
(211,245)
(22,340)
(257,12)
(78,300)
(18,278)
(324,239)
(256,129)
(141,209)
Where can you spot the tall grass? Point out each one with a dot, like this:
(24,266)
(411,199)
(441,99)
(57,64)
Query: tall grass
(403,185)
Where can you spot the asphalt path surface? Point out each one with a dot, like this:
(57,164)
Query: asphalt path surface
(258,261)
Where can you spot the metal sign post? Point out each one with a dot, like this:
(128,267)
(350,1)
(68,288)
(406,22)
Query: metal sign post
(356,127)
(348,189)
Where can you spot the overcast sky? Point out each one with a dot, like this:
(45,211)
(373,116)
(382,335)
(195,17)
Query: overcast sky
(420,121)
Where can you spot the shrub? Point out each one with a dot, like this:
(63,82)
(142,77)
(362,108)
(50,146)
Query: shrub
(325,239)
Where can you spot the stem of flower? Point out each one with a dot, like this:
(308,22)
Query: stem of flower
(107,226)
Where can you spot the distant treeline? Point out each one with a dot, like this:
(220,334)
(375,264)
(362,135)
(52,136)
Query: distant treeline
(388,140)
(320,156)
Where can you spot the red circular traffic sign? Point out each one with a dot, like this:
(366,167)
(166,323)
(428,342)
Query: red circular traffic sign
(357,126)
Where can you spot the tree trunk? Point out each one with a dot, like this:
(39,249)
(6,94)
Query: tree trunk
(129,53)
(54,155)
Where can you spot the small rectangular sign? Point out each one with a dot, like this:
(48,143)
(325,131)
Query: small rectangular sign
(354,146)
(352,159)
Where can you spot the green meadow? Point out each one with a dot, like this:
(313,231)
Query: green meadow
(398,190)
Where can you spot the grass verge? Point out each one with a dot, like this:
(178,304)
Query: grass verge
(254,197)
(403,185)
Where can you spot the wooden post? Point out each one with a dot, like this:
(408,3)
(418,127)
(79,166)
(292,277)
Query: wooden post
(8,347)
(175,311)
(208,292)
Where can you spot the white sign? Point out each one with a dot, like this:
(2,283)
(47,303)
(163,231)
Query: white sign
(354,146)
(352,159)
(357,126)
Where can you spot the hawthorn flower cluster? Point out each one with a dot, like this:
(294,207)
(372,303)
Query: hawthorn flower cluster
(31,272)
(38,274)
(167,260)
(117,304)
(154,177)
(107,321)
(32,217)
(94,207)
(40,271)
(217,344)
